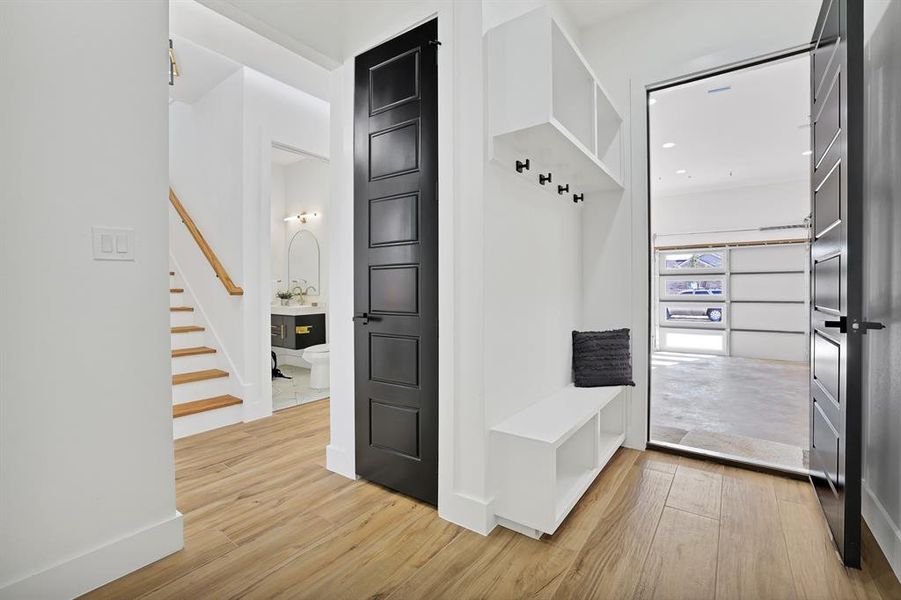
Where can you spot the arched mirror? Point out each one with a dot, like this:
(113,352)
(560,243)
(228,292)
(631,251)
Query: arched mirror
(303,262)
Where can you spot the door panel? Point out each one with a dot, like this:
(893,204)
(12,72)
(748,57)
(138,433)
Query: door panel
(835,269)
(396,264)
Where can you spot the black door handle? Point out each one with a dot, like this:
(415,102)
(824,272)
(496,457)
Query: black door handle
(841,324)
(362,318)
(864,326)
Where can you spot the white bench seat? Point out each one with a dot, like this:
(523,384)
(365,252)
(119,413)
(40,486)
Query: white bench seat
(545,457)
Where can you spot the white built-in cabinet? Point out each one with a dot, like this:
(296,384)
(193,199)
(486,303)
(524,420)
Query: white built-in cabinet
(546,105)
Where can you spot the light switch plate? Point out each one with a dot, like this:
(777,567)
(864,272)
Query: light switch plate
(113,243)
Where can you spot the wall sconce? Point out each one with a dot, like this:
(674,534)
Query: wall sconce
(302,217)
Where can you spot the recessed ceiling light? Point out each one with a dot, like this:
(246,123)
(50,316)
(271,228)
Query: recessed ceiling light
(669,144)
(681,172)
(807,153)
(652,101)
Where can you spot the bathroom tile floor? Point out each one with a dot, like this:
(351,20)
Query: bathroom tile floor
(295,391)
(743,407)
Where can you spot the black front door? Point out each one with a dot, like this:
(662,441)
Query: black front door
(836,321)
(396,263)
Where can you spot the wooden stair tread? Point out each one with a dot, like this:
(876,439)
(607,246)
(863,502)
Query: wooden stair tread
(186,329)
(198,406)
(176,290)
(198,376)
(181,309)
(180,352)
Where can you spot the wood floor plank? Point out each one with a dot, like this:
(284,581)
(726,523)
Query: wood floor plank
(263,518)
(609,564)
(696,492)
(681,564)
(502,565)
(370,557)
(816,566)
(752,561)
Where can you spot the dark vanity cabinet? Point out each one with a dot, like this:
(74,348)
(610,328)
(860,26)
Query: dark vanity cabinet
(297,331)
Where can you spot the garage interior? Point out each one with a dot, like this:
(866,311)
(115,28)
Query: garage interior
(730,204)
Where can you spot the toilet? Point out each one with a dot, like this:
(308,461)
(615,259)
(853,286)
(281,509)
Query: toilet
(317,356)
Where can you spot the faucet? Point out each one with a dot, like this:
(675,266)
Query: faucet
(297,290)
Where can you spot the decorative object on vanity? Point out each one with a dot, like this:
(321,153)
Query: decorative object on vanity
(543,179)
(284,296)
(602,358)
(578,197)
(520,166)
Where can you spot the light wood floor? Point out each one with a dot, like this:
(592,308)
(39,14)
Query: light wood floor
(263,519)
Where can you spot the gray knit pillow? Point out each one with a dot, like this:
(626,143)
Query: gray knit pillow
(602,358)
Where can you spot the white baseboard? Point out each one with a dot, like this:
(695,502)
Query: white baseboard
(337,460)
(466,511)
(93,569)
(884,529)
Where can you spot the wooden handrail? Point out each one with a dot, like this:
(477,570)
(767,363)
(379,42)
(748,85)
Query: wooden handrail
(220,271)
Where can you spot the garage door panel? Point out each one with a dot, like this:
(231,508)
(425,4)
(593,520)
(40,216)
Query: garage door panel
(769,345)
(769,258)
(778,287)
(769,316)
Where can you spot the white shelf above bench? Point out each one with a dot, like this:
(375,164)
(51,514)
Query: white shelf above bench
(545,104)
(545,457)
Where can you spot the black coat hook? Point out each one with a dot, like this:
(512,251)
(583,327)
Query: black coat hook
(542,179)
(520,166)
(562,189)
(578,197)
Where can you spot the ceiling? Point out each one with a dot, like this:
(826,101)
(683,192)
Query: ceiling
(200,70)
(590,12)
(326,32)
(750,134)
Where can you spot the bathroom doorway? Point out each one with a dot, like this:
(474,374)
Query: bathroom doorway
(730,249)
(299,282)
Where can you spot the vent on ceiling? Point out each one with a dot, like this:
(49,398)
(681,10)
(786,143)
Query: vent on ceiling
(725,88)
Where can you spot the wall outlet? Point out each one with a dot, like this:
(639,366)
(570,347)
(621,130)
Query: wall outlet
(113,243)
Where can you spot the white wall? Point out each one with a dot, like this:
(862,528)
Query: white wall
(746,207)
(882,412)
(87,483)
(278,231)
(658,42)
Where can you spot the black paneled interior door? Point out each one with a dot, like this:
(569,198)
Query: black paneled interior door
(836,264)
(396,263)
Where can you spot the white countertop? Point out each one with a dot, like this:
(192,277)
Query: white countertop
(294,309)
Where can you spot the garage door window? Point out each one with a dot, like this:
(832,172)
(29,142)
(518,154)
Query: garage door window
(694,261)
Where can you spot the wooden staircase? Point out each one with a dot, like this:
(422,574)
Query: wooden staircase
(200,388)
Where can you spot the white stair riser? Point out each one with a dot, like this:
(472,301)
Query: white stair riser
(199,390)
(180,318)
(176,299)
(187,340)
(199,362)
(205,421)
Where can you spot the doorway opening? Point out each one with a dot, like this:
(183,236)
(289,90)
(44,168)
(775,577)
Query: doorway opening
(299,196)
(729,222)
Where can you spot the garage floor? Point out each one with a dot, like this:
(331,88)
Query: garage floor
(744,407)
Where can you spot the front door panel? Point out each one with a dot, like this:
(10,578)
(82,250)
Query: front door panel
(835,269)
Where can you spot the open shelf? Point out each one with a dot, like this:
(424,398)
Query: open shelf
(545,104)
(546,456)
